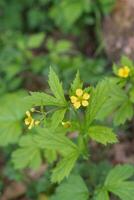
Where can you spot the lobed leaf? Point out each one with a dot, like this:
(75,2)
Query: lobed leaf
(73,188)
(102,134)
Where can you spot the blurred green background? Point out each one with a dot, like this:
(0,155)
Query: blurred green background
(66,34)
(34,35)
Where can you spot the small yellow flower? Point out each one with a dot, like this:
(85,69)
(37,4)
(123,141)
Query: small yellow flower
(66,124)
(29,121)
(81,99)
(124,72)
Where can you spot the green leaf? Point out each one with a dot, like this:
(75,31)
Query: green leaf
(56,87)
(117,184)
(54,141)
(132,95)
(65,166)
(99,95)
(12,111)
(41,98)
(50,155)
(57,118)
(117,97)
(119,174)
(126,61)
(101,194)
(125,190)
(76,83)
(73,188)
(125,112)
(28,155)
(102,134)
(35,40)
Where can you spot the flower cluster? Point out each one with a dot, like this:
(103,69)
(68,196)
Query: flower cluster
(29,121)
(124,72)
(80,99)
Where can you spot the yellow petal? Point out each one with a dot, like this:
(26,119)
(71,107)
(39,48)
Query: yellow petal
(37,122)
(31,124)
(85,103)
(79,92)
(73,99)
(27,122)
(28,113)
(77,104)
(124,72)
(86,96)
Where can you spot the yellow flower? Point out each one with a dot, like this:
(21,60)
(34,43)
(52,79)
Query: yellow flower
(124,72)
(66,124)
(29,121)
(81,99)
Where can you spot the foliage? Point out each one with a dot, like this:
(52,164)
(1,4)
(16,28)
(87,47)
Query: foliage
(117,183)
(120,103)
(51,138)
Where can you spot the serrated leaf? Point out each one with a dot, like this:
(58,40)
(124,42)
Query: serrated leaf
(116,98)
(102,134)
(54,141)
(119,174)
(117,184)
(124,190)
(41,98)
(125,112)
(65,166)
(56,87)
(28,155)
(73,188)
(12,111)
(76,83)
(57,118)
(99,96)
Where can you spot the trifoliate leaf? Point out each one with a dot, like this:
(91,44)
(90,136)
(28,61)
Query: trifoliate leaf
(28,155)
(65,166)
(56,87)
(102,134)
(99,96)
(73,188)
(12,111)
